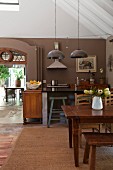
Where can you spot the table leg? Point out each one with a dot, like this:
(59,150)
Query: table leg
(70,132)
(6,95)
(76,142)
(22,90)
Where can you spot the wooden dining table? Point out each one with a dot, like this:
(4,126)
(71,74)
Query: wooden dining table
(84,114)
(12,88)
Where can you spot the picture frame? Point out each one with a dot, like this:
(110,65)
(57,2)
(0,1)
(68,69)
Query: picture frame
(86,64)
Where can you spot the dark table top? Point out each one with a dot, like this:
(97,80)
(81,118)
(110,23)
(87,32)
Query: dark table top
(85,113)
(62,89)
(14,88)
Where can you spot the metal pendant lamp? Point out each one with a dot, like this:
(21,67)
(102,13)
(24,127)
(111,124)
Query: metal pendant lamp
(78,53)
(55,54)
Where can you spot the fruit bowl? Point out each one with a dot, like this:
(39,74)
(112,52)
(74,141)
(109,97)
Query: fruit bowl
(33,86)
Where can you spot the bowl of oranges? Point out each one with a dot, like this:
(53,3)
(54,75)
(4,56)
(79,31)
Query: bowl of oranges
(33,84)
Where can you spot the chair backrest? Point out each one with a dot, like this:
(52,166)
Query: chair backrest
(82,99)
(109,100)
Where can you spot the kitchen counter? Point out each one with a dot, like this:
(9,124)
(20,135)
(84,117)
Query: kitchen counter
(60,88)
(53,91)
(60,91)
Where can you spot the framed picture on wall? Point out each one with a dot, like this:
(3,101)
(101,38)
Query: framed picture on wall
(86,64)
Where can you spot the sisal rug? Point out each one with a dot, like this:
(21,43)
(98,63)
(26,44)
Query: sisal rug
(41,148)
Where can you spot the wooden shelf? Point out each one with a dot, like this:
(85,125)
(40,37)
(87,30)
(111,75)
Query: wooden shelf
(90,86)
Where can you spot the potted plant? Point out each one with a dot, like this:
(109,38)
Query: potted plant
(97,95)
(4,74)
(19,75)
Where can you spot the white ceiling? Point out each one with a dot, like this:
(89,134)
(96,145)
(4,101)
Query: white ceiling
(36,19)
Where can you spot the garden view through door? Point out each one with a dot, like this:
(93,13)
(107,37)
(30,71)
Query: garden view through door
(17,73)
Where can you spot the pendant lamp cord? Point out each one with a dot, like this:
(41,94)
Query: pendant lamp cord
(78,24)
(55,20)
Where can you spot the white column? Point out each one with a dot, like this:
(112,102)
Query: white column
(44,108)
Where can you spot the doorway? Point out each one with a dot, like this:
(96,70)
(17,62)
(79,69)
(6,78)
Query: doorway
(16,72)
(12,111)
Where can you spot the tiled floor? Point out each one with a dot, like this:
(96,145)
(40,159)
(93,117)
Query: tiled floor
(11,111)
(8,135)
(11,124)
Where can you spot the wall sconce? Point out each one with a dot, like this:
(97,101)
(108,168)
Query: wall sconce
(111,40)
(101,77)
(56,45)
(110,62)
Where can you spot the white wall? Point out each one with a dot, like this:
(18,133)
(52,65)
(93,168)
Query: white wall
(36,19)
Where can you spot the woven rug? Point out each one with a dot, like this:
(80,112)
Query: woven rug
(41,148)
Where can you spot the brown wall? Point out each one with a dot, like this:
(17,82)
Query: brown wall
(92,46)
(31,67)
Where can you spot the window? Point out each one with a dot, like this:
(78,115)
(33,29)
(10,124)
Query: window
(9,56)
(9,5)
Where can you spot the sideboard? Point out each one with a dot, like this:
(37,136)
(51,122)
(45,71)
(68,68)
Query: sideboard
(32,104)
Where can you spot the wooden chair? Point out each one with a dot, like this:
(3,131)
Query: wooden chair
(83,99)
(109,101)
(92,141)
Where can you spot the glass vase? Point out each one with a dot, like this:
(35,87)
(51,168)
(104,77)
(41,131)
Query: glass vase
(97,103)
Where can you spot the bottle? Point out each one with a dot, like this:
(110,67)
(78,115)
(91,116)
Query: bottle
(77,81)
(92,81)
(75,87)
